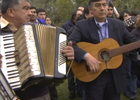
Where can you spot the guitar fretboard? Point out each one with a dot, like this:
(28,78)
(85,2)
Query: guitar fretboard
(123,49)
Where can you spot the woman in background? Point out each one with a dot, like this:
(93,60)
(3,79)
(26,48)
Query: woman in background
(49,21)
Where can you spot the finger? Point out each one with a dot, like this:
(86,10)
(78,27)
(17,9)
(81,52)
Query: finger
(0,56)
(70,43)
(97,67)
(70,58)
(92,68)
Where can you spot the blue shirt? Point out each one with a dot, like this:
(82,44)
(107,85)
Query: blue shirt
(102,30)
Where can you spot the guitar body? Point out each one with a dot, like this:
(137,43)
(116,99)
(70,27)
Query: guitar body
(80,69)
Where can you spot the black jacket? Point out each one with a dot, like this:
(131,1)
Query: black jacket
(87,31)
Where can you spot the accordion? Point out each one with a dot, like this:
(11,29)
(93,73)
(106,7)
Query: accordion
(6,93)
(32,56)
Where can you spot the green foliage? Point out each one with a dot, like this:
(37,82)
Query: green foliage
(61,10)
(65,9)
(127,5)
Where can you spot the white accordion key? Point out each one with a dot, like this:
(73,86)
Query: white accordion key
(14,80)
(62,59)
(9,41)
(10,49)
(9,67)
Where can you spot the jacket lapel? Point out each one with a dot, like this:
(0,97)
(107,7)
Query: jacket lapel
(113,30)
(93,31)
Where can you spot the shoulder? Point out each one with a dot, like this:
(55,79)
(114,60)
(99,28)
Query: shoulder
(135,31)
(113,20)
(85,22)
(116,23)
(68,22)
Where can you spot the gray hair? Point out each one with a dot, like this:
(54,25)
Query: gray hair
(10,4)
(90,4)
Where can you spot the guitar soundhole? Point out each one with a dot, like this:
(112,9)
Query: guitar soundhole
(105,55)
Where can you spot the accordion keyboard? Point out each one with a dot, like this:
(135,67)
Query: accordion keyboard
(9,66)
(6,93)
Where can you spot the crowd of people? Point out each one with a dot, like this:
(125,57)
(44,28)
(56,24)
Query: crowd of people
(93,24)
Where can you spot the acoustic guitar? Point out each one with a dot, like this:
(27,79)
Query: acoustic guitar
(108,52)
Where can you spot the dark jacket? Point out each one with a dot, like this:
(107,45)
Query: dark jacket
(86,30)
(68,24)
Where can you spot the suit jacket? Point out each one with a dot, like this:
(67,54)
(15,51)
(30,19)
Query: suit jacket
(87,31)
(68,24)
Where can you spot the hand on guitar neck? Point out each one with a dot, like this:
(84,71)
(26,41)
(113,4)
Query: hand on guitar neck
(93,63)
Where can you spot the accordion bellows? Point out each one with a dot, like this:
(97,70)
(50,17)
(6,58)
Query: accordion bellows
(38,54)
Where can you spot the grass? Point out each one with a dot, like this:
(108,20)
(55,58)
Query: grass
(63,93)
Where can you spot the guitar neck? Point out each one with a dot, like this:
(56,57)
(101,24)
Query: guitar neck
(124,48)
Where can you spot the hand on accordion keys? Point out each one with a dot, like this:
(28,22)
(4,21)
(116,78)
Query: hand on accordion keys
(0,60)
(68,51)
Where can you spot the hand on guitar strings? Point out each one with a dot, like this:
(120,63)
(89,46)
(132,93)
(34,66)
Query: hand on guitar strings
(93,63)
(68,51)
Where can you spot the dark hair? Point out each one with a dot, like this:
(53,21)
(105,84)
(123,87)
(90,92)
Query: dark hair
(10,3)
(81,17)
(40,10)
(110,5)
(86,10)
(74,13)
(33,8)
(135,12)
(122,14)
(92,1)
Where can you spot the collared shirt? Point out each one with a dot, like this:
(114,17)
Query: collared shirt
(4,23)
(102,29)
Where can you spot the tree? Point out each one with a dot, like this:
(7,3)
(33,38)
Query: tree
(61,10)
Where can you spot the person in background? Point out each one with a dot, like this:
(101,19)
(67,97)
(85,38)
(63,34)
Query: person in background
(128,19)
(49,21)
(111,82)
(33,18)
(73,82)
(52,89)
(131,91)
(70,23)
(87,13)
(41,15)
(135,12)
(136,57)
(111,11)
(81,8)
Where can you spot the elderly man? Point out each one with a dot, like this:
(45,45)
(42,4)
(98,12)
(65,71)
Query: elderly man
(110,83)
(14,14)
